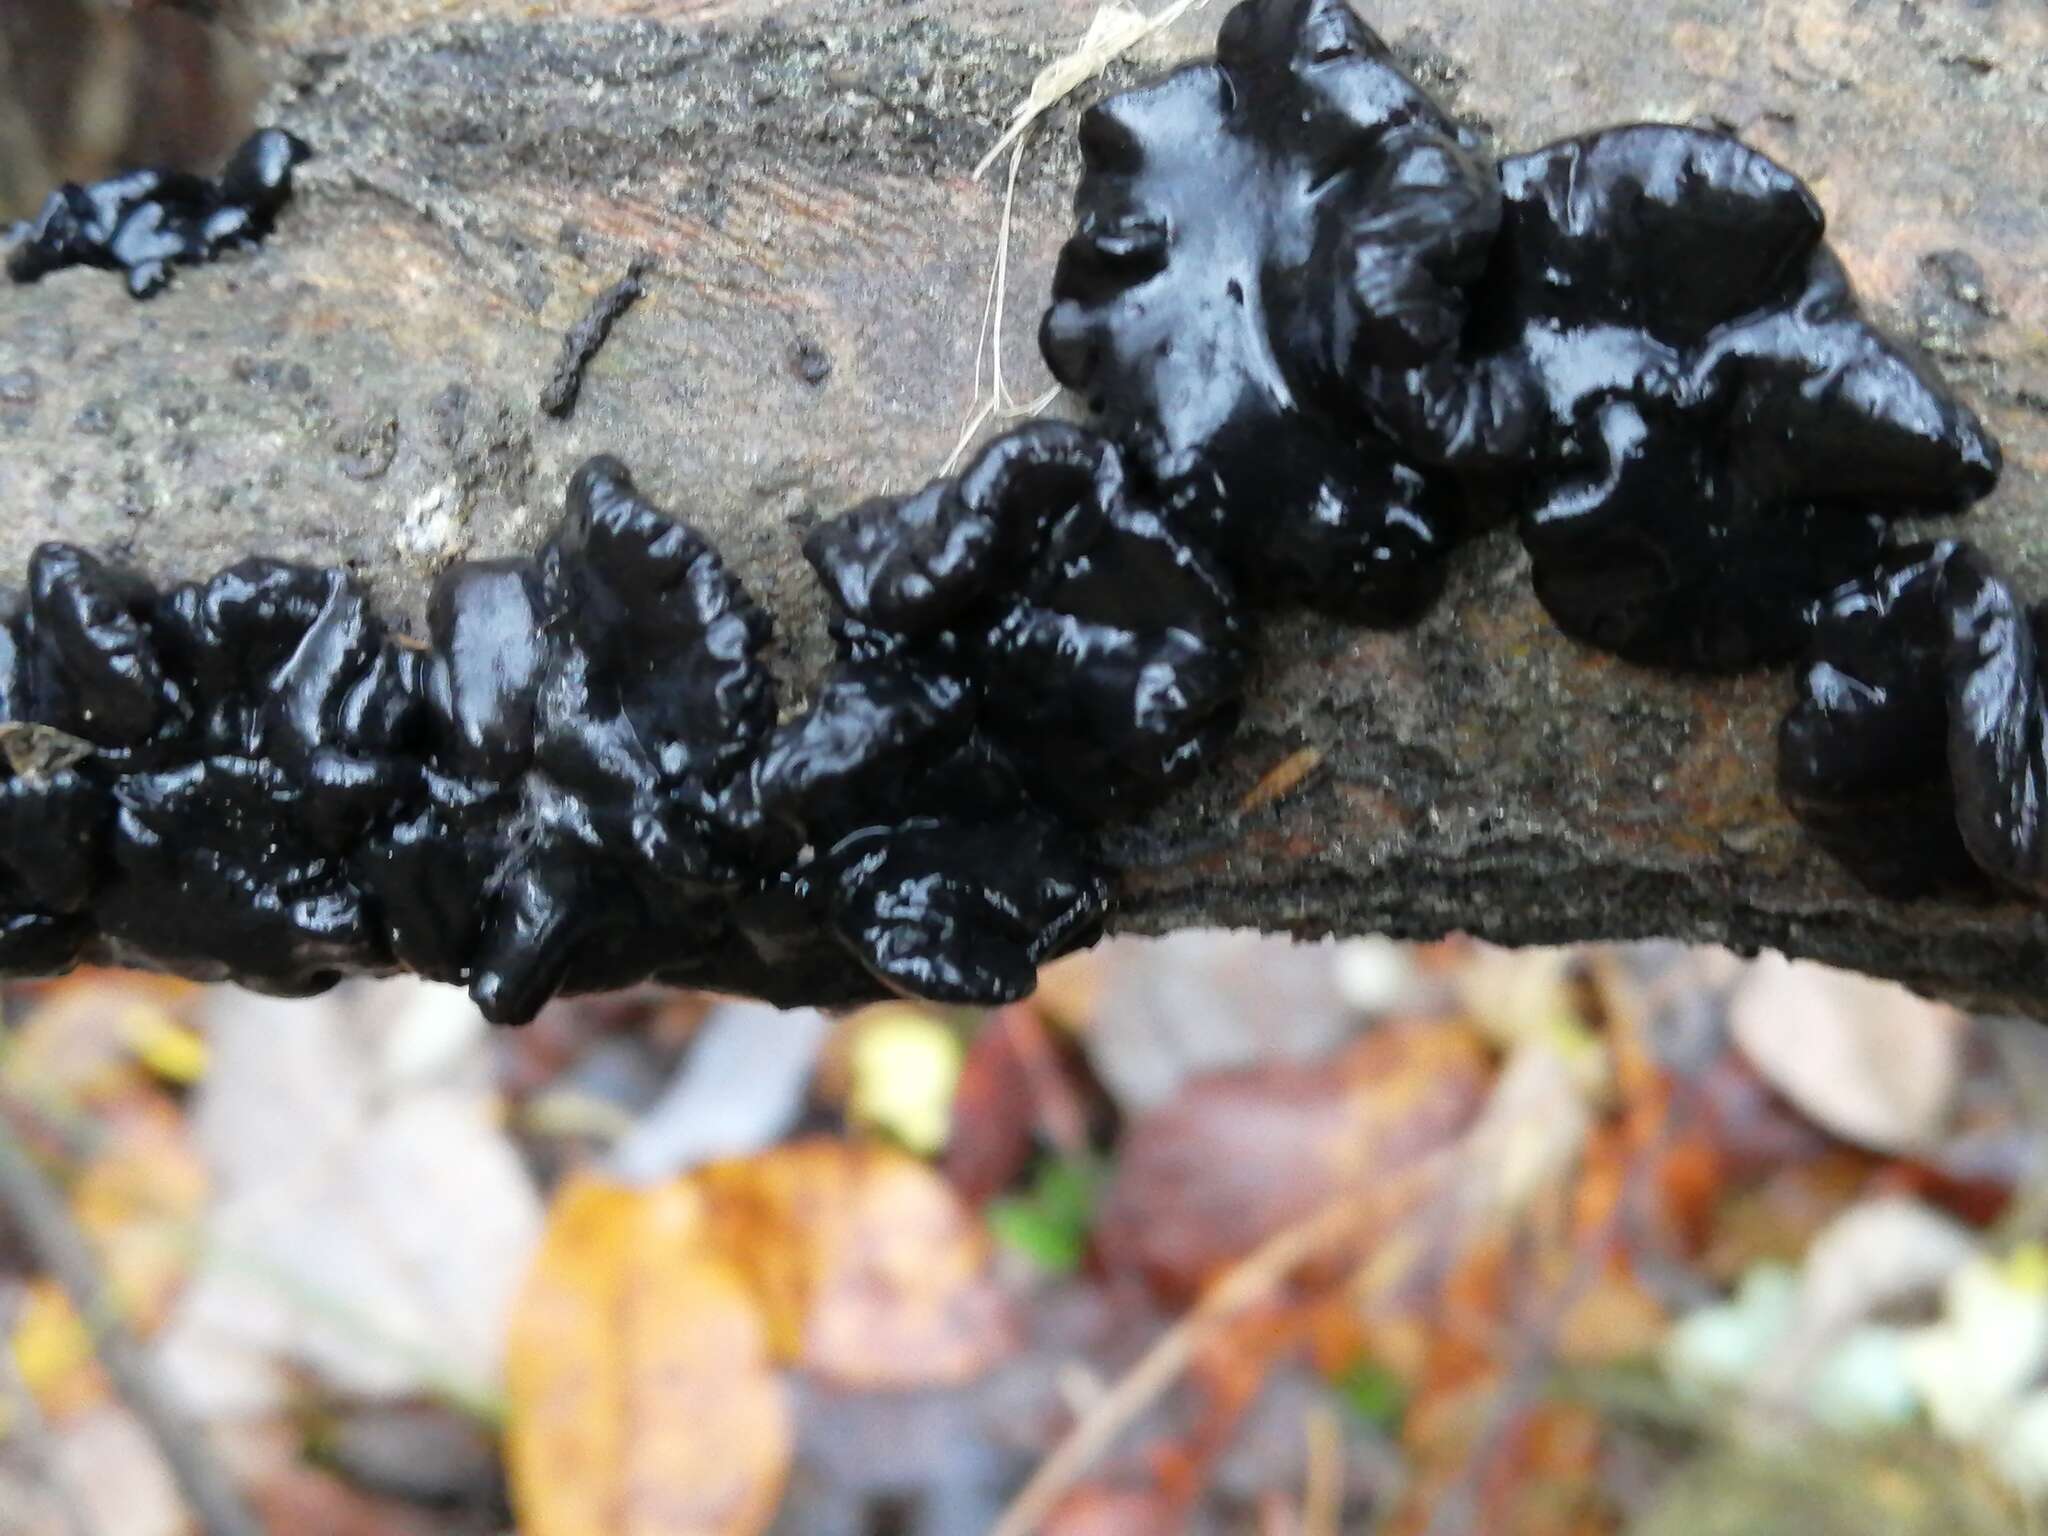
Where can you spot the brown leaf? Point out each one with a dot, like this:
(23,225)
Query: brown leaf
(641,1397)
(641,1365)
(309,1502)
(994,1109)
(1239,1156)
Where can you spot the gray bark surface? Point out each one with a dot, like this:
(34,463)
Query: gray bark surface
(366,390)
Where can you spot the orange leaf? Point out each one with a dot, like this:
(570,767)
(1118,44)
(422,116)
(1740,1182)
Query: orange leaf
(642,1400)
(869,1267)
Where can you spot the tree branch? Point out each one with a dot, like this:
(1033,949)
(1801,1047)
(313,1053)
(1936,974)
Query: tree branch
(367,388)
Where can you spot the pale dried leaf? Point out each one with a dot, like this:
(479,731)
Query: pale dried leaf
(372,1232)
(1866,1060)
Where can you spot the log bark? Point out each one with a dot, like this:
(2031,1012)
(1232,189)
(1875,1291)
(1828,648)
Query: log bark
(796,175)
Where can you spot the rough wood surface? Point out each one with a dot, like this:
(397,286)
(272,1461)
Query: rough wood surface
(797,175)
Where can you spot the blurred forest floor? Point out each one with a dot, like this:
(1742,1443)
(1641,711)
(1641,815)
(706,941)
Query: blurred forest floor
(1215,1234)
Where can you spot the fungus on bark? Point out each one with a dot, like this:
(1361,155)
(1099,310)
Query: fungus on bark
(1722,437)
(1319,313)
(577,782)
(1322,336)
(1917,746)
(1265,297)
(1028,652)
(144,223)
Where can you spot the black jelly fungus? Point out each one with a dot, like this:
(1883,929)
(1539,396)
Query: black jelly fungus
(1102,650)
(1336,336)
(1722,436)
(1321,336)
(1917,746)
(144,223)
(1265,296)
(1325,321)
(577,782)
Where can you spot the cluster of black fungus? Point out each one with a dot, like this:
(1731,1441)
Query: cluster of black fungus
(269,786)
(1917,746)
(146,222)
(577,781)
(1032,639)
(1336,336)
(1322,335)
(1314,308)
(1721,437)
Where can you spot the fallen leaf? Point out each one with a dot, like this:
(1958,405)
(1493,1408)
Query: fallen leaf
(1092,1510)
(1874,1257)
(1198,1002)
(995,1112)
(84,1041)
(640,1395)
(1865,1059)
(870,1269)
(369,1228)
(1240,1156)
(165,1044)
(308,1502)
(54,1355)
(641,1385)
(1974,1364)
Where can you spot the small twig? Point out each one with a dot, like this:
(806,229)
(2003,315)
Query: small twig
(1116,29)
(1250,1280)
(45,1223)
(587,338)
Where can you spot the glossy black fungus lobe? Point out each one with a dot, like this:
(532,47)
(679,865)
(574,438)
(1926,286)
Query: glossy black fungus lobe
(1721,437)
(1265,297)
(1917,746)
(1033,635)
(144,223)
